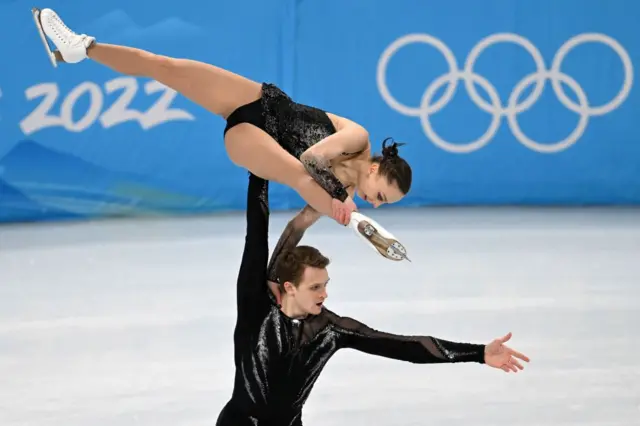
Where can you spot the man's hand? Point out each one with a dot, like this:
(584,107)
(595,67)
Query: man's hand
(497,355)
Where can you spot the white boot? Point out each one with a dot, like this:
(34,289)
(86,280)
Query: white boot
(70,47)
(378,238)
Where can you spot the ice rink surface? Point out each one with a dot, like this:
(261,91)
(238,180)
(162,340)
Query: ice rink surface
(130,322)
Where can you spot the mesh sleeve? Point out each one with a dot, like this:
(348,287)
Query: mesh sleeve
(416,349)
(321,173)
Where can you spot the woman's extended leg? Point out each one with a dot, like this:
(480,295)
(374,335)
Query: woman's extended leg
(218,90)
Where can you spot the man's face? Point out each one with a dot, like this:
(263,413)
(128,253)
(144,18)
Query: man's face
(312,290)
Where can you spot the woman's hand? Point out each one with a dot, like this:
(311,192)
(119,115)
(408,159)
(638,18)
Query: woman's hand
(342,210)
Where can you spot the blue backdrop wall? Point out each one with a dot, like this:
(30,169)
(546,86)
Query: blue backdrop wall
(500,101)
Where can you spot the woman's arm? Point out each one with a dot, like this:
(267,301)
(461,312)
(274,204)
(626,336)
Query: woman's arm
(350,138)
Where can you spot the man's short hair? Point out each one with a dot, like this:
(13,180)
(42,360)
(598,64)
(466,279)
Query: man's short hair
(293,263)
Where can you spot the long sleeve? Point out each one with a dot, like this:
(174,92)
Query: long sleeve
(291,236)
(416,349)
(320,171)
(252,290)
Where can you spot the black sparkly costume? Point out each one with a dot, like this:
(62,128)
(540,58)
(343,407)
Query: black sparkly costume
(278,359)
(296,127)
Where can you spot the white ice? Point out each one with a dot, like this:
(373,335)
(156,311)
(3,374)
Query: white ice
(130,322)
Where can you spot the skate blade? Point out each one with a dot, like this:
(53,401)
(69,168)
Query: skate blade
(36,18)
(398,251)
(395,251)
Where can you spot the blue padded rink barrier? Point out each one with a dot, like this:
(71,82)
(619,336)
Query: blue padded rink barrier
(522,216)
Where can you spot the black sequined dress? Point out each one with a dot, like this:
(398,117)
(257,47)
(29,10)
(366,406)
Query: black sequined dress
(278,359)
(296,127)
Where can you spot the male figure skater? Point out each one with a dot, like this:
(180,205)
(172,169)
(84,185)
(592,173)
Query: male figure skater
(284,336)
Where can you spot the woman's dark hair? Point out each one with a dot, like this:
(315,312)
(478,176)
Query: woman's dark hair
(394,167)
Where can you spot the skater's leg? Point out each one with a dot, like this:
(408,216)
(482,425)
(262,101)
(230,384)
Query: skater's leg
(253,149)
(215,89)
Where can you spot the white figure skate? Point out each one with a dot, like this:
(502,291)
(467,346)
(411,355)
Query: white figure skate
(378,238)
(70,47)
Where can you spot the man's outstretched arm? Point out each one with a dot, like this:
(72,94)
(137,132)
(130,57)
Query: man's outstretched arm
(251,291)
(425,349)
(416,349)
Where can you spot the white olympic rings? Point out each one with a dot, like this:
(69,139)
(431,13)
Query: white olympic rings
(495,107)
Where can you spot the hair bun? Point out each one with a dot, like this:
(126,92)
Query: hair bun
(390,151)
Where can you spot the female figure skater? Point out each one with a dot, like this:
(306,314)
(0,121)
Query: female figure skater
(284,338)
(323,157)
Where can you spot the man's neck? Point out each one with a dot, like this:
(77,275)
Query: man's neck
(290,309)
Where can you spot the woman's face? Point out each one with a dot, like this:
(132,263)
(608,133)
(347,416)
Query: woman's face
(376,189)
